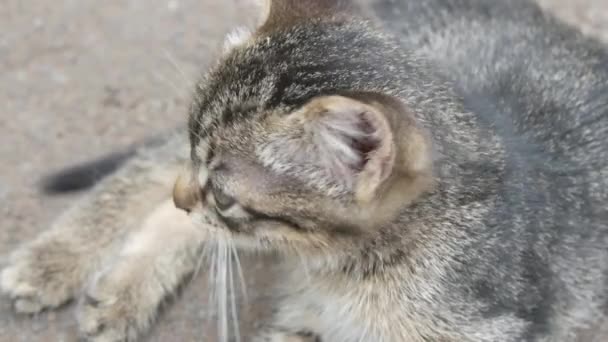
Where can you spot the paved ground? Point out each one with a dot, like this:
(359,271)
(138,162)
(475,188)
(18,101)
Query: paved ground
(80,77)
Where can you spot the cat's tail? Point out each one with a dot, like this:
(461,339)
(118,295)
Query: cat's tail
(85,175)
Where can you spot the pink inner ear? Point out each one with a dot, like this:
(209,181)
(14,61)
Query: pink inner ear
(346,142)
(367,142)
(334,140)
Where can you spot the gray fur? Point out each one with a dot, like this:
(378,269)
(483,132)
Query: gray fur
(508,242)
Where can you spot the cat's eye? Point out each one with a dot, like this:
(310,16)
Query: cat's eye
(223,202)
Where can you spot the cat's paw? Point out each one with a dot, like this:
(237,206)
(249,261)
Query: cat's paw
(40,277)
(119,306)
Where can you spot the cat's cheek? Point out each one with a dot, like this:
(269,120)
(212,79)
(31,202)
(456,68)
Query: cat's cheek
(205,221)
(256,235)
(267,236)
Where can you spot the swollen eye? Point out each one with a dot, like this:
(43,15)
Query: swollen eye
(222,201)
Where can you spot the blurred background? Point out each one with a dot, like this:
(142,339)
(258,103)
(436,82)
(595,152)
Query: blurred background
(80,78)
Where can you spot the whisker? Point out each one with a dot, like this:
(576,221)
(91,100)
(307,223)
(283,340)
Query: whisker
(223,310)
(173,62)
(212,282)
(202,126)
(239,270)
(217,291)
(178,92)
(304,266)
(199,263)
(235,319)
(197,134)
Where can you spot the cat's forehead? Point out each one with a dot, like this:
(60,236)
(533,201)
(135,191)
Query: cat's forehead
(237,91)
(217,131)
(219,140)
(225,148)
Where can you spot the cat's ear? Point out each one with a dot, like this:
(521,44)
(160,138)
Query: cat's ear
(356,143)
(278,13)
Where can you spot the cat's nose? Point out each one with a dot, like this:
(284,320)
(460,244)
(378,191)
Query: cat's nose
(185,193)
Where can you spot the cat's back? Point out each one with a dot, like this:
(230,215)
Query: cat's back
(541,87)
(539,84)
(508,51)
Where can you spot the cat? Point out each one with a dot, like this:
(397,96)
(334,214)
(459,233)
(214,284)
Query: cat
(440,165)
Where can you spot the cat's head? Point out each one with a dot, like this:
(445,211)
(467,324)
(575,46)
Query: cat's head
(299,138)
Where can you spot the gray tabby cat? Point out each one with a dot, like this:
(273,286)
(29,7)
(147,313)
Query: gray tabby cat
(443,171)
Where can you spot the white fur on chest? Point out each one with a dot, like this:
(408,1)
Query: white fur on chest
(404,307)
(344,311)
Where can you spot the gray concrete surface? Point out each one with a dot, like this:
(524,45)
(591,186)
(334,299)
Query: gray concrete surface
(79,78)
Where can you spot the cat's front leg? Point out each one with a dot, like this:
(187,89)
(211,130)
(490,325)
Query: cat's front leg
(54,267)
(123,299)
